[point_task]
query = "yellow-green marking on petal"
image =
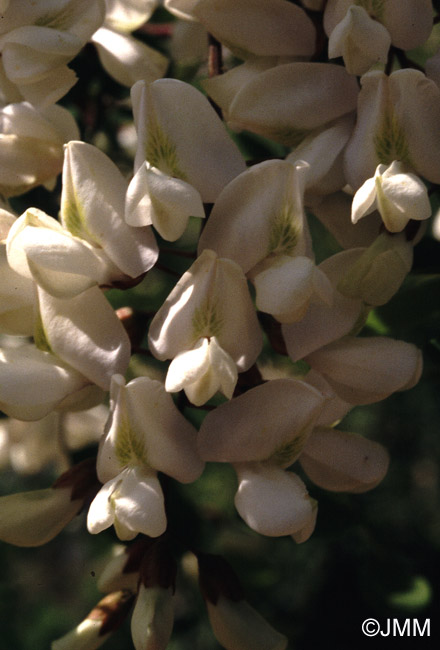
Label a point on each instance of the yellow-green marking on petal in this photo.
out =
(207, 320)
(128, 447)
(161, 152)
(284, 234)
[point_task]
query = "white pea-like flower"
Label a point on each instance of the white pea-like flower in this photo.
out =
(361, 41)
(145, 434)
(209, 327)
(397, 120)
(93, 245)
(396, 193)
(263, 432)
(31, 145)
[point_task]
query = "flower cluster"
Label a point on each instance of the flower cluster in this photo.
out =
(264, 343)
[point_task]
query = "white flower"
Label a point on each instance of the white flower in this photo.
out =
(145, 434)
(360, 40)
(190, 143)
(133, 502)
(390, 126)
(93, 244)
(209, 320)
(263, 207)
(408, 22)
(155, 198)
(37, 39)
(93, 205)
(263, 432)
(202, 371)
(31, 145)
(396, 193)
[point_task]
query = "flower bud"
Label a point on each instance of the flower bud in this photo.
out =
(120, 573)
(236, 625)
(380, 270)
(102, 621)
(409, 22)
(153, 618)
(34, 518)
(153, 614)
(33, 382)
(271, 501)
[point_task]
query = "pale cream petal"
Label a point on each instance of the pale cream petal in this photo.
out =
(309, 95)
(34, 518)
(154, 198)
(344, 462)
(368, 369)
(34, 382)
(128, 59)
(250, 27)
(198, 151)
(74, 331)
(237, 626)
(262, 424)
(272, 501)
(153, 618)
